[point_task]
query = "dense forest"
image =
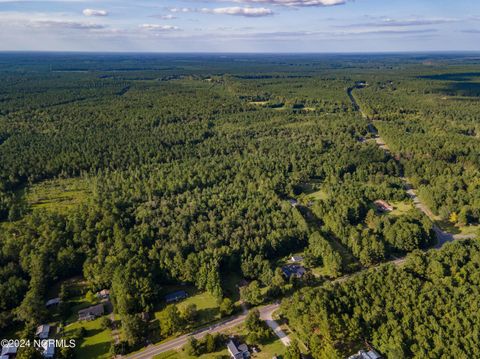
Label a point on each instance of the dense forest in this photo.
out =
(190, 165)
(431, 122)
(426, 308)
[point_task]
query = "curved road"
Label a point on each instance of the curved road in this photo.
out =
(267, 311)
(152, 350)
(442, 236)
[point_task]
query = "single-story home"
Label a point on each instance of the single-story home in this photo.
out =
(43, 331)
(91, 313)
(237, 352)
(383, 206)
(48, 348)
(293, 270)
(52, 302)
(9, 350)
(176, 296)
(362, 354)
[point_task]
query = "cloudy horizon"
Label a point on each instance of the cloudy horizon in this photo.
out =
(239, 25)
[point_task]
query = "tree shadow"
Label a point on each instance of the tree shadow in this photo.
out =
(94, 350)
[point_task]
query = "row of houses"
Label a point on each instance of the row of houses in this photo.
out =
(9, 351)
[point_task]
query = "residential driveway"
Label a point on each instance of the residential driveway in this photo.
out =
(152, 350)
(267, 316)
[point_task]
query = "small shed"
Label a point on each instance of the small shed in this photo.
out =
(296, 259)
(103, 294)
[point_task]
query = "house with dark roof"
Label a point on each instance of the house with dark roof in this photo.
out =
(52, 302)
(362, 354)
(176, 296)
(43, 331)
(383, 206)
(9, 350)
(293, 270)
(238, 352)
(91, 313)
(48, 348)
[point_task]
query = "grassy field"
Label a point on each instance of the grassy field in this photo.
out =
(57, 195)
(317, 195)
(456, 229)
(401, 208)
(208, 309)
(96, 344)
(97, 341)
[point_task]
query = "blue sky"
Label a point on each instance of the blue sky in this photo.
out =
(240, 25)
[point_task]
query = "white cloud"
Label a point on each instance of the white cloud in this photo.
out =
(234, 10)
(388, 22)
(157, 27)
(66, 25)
(94, 12)
(297, 3)
(239, 11)
(165, 17)
(180, 9)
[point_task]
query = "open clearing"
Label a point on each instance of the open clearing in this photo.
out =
(58, 195)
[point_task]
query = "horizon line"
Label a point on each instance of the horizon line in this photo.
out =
(387, 52)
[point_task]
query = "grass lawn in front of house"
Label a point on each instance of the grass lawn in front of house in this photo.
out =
(97, 341)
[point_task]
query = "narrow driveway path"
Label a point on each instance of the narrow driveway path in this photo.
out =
(267, 316)
(442, 236)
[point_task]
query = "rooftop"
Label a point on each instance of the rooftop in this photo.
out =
(95, 310)
(174, 296)
(293, 270)
(53, 301)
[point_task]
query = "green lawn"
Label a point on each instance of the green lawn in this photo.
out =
(456, 229)
(96, 344)
(58, 195)
(317, 195)
(401, 208)
(206, 303)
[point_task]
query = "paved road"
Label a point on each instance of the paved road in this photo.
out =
(267, 316)
(179, 342)
(442, 236)
(267, 311)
